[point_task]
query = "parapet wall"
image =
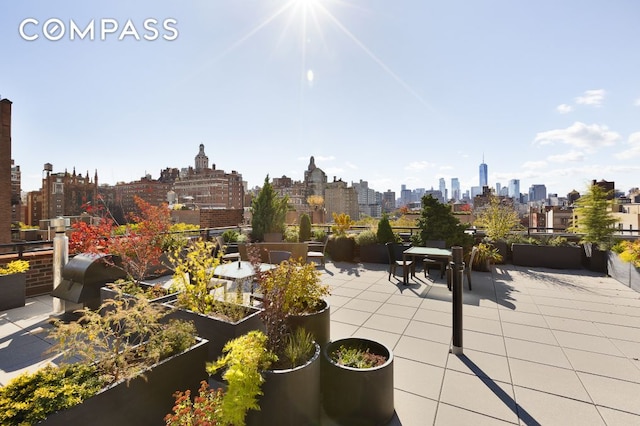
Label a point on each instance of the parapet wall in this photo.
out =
(40, 273)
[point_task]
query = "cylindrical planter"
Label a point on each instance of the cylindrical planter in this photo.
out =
(317, 323)
(290, 397)
(362, 396)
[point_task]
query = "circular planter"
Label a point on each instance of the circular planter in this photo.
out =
(317, 323)
(290, 397)
(358, 396)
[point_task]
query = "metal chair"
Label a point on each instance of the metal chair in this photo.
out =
(316, 249)
(226, 257)
(278, 256)
(407, 266)
(429, 264)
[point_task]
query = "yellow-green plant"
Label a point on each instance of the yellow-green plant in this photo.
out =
(498, 218)
(342, 224)
(15, 267)
(629, 251)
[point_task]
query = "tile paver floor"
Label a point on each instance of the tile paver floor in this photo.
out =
(541, 346)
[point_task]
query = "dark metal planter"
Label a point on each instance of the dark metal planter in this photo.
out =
(374, 253)
(623, 272)
(597, 259)
(317, 323)
(353, 396)
(219, 331)
(12, 291)
(107, 293)
(144, 400)
(556, 257)
(290, 397)
(341, 249)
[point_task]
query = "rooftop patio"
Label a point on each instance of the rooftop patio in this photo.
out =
(541, 346)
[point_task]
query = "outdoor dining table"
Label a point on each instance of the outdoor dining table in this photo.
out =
(430, 252)
(240, 272)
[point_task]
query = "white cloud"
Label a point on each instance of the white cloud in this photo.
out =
(580, 135)
(351, 165)
(634, 147)
(564, 108)
(637, 102)
(418, 165)
(591, 97)
(534, 165)
(572, 156)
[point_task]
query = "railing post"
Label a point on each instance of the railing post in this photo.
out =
(457, 270)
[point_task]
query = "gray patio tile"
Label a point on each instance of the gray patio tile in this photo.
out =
(562, 312)
(337, 301)
(495, 367)
(612, 393)
(346, 292)
(434, 317)
(359, 284)
(484, 342)
(405, 300)
(620, 332)
(525, 318)
(436, 305)
(603, 365)
(386, 323)
(546, 378)
(630, 349)
(573, 326)
(450, 415)
(481, 312)
(375, 296)
(586, 342)
(363, 305)
(388, 339)
(536, 352)
(517, 306)
(422, 350)
(553, 301)
(414, 410)
(528, 332)
(383, 287)
(428, 331)
(417, 378)
(350, 316)
(399, 311)
(618, 319)
(341, 329)
(547, 409)
(485, 396)
(618, 418)
(482, 325)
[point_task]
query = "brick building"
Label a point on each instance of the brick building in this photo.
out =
(5, 171)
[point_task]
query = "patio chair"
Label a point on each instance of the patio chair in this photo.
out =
(316, 249)
(407, 266)
(226, 257)
(429, 263)
(278, 256)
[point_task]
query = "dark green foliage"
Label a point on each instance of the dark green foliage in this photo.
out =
(437, 222)
(385, 233)
(29, 398)
(593, 218)
(268, 211)
(230, 236)
(305, 228)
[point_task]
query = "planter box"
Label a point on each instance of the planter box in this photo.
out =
(145, 399)
(362, 396)
(218, 331)
(290, 397)
(317, 323)
(623, 272)
(596, 258)
(107, 293)
(374, 253)
(556, 257)
(341, 249)
(12, 291)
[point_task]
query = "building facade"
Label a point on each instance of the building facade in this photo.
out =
(5, 171)
(341, 199)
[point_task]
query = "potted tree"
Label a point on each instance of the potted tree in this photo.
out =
(486, 255)
(341, 245)
(372, 242)
(13, 281)
(357, 381)
(268, 213)
(127, 361)
(217, 320)
(498, 218)
(593, 218)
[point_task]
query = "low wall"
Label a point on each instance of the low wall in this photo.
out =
(40, 273)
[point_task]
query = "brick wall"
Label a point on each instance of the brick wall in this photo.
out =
(217, 218)
(40, 273)
(5, 171)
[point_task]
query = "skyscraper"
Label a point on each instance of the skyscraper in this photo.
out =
(537, 192)
(455, 189)
(443, 189)
(483, 174)
(514, 189)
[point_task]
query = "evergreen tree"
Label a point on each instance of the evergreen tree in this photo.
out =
(268, 211)
(385, 233)
(593, 217)
(437, 222)
(305, 228)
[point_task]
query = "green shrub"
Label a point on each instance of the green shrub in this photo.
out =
(366, 238)
(385, 233)
(230, 236)
(291, 234)
(305, 228)
(318, 234)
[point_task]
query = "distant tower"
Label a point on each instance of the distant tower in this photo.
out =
(483, 173)
(443, 189)
(455, 189)
(202, 161)
(514, 189)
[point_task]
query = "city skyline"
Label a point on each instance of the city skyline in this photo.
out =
(393, 93)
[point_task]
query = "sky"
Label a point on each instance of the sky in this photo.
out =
(390, 92)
